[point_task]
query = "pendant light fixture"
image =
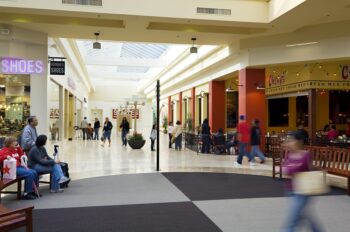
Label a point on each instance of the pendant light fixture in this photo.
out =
(96, 45)
(193, 49)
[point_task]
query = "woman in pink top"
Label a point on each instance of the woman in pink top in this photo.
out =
(333, 133)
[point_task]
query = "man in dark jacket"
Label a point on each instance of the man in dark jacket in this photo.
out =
(255, 137)
(205, 136)
(97, 126)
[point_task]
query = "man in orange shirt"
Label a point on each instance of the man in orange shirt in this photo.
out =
(243, 131)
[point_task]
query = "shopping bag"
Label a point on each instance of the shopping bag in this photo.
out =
(9, 169)
(310, 183)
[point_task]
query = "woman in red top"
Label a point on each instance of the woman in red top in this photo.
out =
(11, 150)
(333, 133)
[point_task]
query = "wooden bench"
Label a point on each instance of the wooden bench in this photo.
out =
(335, 161)
(4, 183)
(13, 219)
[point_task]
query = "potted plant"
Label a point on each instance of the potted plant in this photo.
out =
(165, 125)
(136, 141)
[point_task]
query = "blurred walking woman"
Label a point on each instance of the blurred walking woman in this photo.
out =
(107, 130)
(125, 130)
(298, 160)
(177, 136)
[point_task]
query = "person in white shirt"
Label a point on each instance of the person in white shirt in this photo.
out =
(153, 136)
(84, 127)
(170, 132)
(177, 136)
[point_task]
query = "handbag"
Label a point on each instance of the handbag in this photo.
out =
(310, 183)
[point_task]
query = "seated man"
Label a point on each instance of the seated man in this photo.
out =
(219, 142)
(231, 143)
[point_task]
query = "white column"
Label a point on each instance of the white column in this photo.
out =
(62, 113)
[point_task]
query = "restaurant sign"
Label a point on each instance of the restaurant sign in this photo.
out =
(11, 65)
(277, 79)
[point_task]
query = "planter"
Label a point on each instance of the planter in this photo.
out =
(136, 144)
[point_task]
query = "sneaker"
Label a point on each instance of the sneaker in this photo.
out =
(262, 161)
(236, 164)
(57, 191)
(252, 164)
(27, 196)
(35, 195)
(64, 179)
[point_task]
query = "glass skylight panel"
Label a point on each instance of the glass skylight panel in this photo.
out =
(132, 69)
(143, 51)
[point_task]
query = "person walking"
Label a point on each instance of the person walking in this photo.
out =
(205, 137)
(170, 133)
(243, 140)
(29, 134)
(298, 160)
(153, 136)
(125, 130)
(97, 126)
(107, 130)
(84, 127)
(177, 136)
(255, 138)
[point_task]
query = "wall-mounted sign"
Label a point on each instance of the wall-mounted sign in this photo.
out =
(345, 72)
(57, 68)
(115, 113)
(71, 83)
(277, 79)
(10, 65)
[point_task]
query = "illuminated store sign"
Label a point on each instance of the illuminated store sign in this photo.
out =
(10, 65)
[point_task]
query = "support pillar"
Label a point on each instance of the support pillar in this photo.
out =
(252, 102)
(312, 116)
(180, 102)
(217, 105)
(61, 130)
(193, 107)
(170, 119)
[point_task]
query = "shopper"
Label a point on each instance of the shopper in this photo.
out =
(29, 134)
(303, 133)
(41, 162)
(153, 136)
(255, 138)
(84, 127)
(170, 133)
(90, 132)
(177, 136)
(243, 140)
(298, 160)
(333, 133)
(107, 130)
(97, 126)
(205, 136)
(12, 150)
(125, 130)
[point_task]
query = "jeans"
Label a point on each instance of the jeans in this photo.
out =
(152, 144)
(124, 140)
(56, 172)
(30, 178)
(297, 212)
(178, 142)
(242, 151)
(206, 144)
(170, 136)
(85, 133)
(96, 136)
(257, 152)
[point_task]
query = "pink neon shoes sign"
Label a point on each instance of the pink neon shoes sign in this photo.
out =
(10, 65)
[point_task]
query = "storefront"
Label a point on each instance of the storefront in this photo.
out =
(313, 95)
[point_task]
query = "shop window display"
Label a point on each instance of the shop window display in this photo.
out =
(232, 109)
(339, 106)
(278, 112)
(14, 103)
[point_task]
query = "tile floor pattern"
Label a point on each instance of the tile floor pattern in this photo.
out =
(177, 202)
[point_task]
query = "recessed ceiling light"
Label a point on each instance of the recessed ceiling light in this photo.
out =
(301, 44)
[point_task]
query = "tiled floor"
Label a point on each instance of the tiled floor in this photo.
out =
(87, 158)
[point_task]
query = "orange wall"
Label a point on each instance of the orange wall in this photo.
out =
(217, 105)
(252, 102)
(170, 119)
(193, 106)
(180, 101)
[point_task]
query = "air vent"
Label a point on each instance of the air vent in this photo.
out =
(83, 2)
(213, 11)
